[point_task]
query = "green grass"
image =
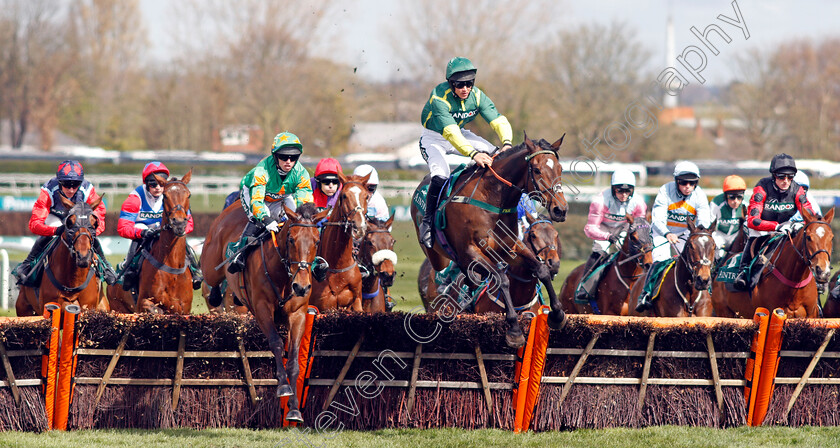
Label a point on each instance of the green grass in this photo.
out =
(663, 436)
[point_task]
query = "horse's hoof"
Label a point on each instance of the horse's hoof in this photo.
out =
(557, 320)
(284, 390)
(514, 341)
(294, 416)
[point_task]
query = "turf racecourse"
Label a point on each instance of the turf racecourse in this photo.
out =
(662, 436)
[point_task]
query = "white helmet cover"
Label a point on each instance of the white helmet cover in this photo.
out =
(802, 179)
(363, 170)
(686, 168)
(623, 176)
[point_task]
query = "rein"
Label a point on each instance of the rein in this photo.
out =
(807, 260)
(689, 305)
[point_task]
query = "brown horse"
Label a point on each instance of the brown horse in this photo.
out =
(790, 279)
(629, 266)
(342, 287)
(541, 238)
(478, 231)
(228, 304)
(165, 285)
(377, 256)
(685, 287)
(832, 303)
(275, 286)
(70, 270)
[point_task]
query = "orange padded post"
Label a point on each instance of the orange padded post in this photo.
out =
(537, 365)
(304, 365)
(524, 377)
(65, 367)
(49, 362)
(762, 318)
(769, 366)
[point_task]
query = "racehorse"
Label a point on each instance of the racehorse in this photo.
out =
(631, 263)
(478, 231)
(790, 278)
(227, 305)
(342, 287)
(165, 284)
(832, 304)
(70, 270)
(685, 287)
(377, 257)
(541, 238)
(275, 284)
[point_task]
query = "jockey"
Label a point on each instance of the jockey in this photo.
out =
(523, 208)
(325, 184)
(607, 215)
(48, 215)
(140, 218)
(775, 199)
(277, 180)
(802, 179)
(451, 105)
(727, 209)
(377, 207)
(674, 204)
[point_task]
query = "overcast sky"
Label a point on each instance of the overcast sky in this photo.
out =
(768, 21)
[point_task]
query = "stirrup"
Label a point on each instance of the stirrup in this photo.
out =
(644, 303)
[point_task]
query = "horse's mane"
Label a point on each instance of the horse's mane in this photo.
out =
(307, 211)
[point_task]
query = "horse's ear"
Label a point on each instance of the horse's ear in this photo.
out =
(161, 180)
(713, 227)
(342, 178)
(365, 179)
(629, 218)
(807, 216)
(829, 216)
(291, 213)
(529, 218)
(389, 222)
(556, 145)
(67, 202)
(187, 177)
(528, 142)
(690, 221)
(95, 204)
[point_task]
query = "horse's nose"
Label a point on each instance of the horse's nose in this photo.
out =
(300, 290)
(821, 275)
(387, 279)
(558, 214)
(554, 266)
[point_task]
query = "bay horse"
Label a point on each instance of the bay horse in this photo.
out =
(630, 265)
(685, 287)
(69, 275)
(377, 256)
(165, 285)
(831, 308)
(275, 285)
(342, 287)
(542, 239)
(478, 231)
(790, 278)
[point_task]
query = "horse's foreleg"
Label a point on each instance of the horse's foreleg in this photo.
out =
(296, 324)
(264, 314)
(556, 318)
(514, 337)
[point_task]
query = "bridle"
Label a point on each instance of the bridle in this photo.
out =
(638, 248)
(530, 236)
(75, 233)
(347, 223)
(692, 267)
(289, 264)
(808, 260)
(168, 226)
(177, 207)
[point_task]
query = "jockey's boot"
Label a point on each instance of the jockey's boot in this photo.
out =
(582, 293)
(22, 270)
(237, 264)
(128, 269)
(425, 230)
(644, 302)
(742, 281)
(108, 273)
(195, 268)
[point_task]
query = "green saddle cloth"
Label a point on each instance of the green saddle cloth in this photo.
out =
(37, 266)
(655, 276)
(598, 270)
(419, 198)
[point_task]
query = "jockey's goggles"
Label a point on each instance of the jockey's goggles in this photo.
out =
(329, 181)
(781, 176)
(70, 183)
(683, 183)
(372, 188)
(287, 157)
(462, 84)
(732, 196)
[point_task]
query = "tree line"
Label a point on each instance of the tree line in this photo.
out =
(84, 67)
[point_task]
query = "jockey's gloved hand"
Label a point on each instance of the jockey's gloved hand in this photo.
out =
(614, 237)
(272, 226)
(148, 233)
(785, 227)
(59, 230)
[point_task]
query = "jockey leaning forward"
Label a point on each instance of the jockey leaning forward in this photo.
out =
(451, 105)
(607, 216)
(48, 213)
(277, 180)
(676, 202)
(140, 218)
(727, 211)
(774, 201)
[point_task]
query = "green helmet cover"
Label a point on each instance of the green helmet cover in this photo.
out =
(286, 143)
(462, 67)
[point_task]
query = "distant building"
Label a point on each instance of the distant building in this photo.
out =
(246, 138)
